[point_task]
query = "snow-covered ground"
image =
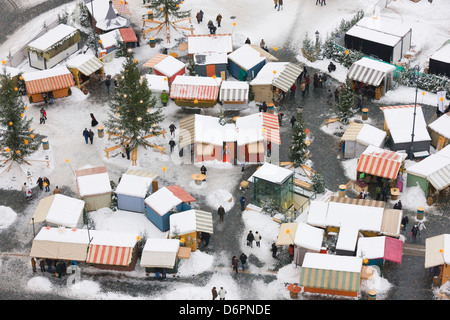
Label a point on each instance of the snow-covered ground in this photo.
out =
(255, 19)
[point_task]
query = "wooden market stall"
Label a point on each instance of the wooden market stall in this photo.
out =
(358, 136)
(188, 226)
(161, 204)
(59, 210)
(245, 62)
(307, 239)
(199, 92)
(439, 130)
(83, 66)
(331, 274)
(57, 80)
(377, 250)
(133, 188)
(234, 95)
(54, 46)
(439, 62)
(94, 187)
(159, 254)
(262, 85)
(437, 256)
(169, 67)
(157, 84)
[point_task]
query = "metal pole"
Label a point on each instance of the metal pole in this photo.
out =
(416, 76)
(34, 233)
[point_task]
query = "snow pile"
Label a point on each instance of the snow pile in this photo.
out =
(40, 284)
(221, 198)
(7, 217)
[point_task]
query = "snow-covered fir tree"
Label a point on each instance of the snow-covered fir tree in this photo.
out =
(132, 111)
(318, 183)
(309, 50)
(18, 139)
(345, 108)
(299, 149)
(168, 10)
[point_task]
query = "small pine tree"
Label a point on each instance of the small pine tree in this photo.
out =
(299, 149)
(345, 108)
(121, 48)
(18, 138)
(132, 111)
(318, 183)
(168, 9)
(191, 67)
(309, 49)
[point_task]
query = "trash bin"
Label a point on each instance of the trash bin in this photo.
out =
(365, 113)
(395, 192)
(45, 144)
(420, 211)
(152, 42)
(101, 131)
(342, 189)
(372, 295)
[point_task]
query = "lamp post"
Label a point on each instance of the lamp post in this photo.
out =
(416, 80)
(317, 38)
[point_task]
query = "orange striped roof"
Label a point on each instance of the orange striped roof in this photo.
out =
(109, 255)
(380, 163)
(48, 80)
(155, 60)
(121, 6)
(271, 128)
(180, 193)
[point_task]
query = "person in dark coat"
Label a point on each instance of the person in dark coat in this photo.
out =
(293, 120)
(40, 183)
(172, 128)
(205, 237)
(247, 41)
(172, 145)
(127, 151)
(198, 16)
(94, 121)
(405, 221)
(221, 212)
(203, 170)
(243, 201)
(214, 293)
(274, 250)
(414, 230)
(243, 259)
(108, 82)
(235, 264)
(219, 20)
(291, 251)
(280, 5)
(49, 265)
(91, 136)
(86, 135)
(336, 95)
(315, 80)
(308, 82)
(250, 238)
(201, 15)
(385, 194)
(46, 184)
(42, 265)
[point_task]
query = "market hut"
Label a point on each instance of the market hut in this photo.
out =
(59, 210)
(273, 184)
(94, 187)
(157, 84)
(160, 254)
(245, 62)
(170, 67)
(439, 62)
(437, 256)
(188, 225)
(288, 77)
(258, 137)
(431, 174)
(439, 130)
(358, 136)
(385, 38)
(61, 244)
(234, 95)
(110, 250)
(262, 85)
(377, 250)
(307, 239)
(209, 43)
(331, 274)
(377, 162)
(83, 66)
(133, 188)
(54, 46)
(287, 233)
(129, 37)
(161, 204)
(398, 124)
(190, 91)
(57, 80)
(106, 16)
(370, 72)
(109, 41)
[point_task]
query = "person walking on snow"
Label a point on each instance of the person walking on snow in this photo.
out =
(172, 145)
(247, 41)
(262, 44)
(222, 293)
(214, 293)
(172, 129)
(86, 135)
(91, 136)
(303, 88)
(250, 238)
(243, 259)
(198, 16)
(94, 121)
(274, 250)
(108, 83)
(243, 201)
(40, 183)
(221, 213)
(46, 184)
(293, 120)
(235, 264)
(280, 5)
(414, 230)
(219, 20)
(420, 227)
(257, 239)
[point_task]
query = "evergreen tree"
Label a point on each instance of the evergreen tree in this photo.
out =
(18, 138)
(299, 149)
(345, 108)
(309, 50)
(132, 112)
(318, 183)
(121, 48)
(168, 9)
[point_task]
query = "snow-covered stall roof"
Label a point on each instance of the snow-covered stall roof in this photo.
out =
(373, 35)
(369, 71)
(385, 25)
(210, 58)
(317, 213)
(443, 54)
(106, 15)
(60, 210)
(399, 121)
(190, 87)
(269, 73)
(257, 127)
(109, 39)
(437, 250)
(435, 168)
(272, 173)
(208, 130)
(442, 124)
(190, 221)
(48, 80)
(382, 247)
(287, 233)
(365, 134)
(157, 83)
(234, 91)
(135, 183)
(61, 243)
(93, 181)
(160, 253)
(85, 63)
(52, 37)
(210, 43)
(347, 239)
(332, 262)
(11, 71)
(169, 66)
(165, 199)
(380, 162)
(308, 237)
(349, 215)
(246, 57)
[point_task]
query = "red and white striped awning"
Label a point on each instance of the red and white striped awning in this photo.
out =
(48, 80)
(380, 162)
(271, 128)
(155, 60)
(109, 255)
(194, 88)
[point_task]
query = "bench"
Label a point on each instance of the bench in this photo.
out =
(328, 121)
(108, 150)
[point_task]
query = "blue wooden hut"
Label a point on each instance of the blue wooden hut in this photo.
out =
(245, 62)
(162, 203)
(133, 188)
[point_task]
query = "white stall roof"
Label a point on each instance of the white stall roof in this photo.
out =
(157, 83)
(211, 58)
(437, 250)
(78, 236)
(352, 215)
(112, 238)
(442, 124)
(272, 173)
(308, 237)
(160, 253)
(347, 238)
(44, 74)
(332, 262)
(207, 43)
(269, 73)
(443, 54)
(52, 37)
(371, 247)
(169, 66)
(246, 57)
(135, 184)
(65, 211)
(162, 201)
(317, 213)
(399, 120)
(374, 35)
(183, 223)
(94, 184)
(370, 135)
(109, 39)
(386, 25)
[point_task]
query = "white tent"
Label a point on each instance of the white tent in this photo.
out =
(160, 253)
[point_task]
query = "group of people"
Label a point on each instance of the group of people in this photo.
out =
(253, 237)
(278, 4)
(235, 262)
(221, 294)
(43, 183)
(212, 28)
(58, 267)
(88, 135)
(48, 97)
(43, 116)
